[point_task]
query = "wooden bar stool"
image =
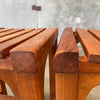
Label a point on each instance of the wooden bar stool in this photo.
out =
(76, 75)
(23, 54)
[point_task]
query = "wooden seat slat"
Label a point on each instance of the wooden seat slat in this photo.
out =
(95, 33)
(11, 36)
(66, 57)
(10, 32)
(6, 29)
(8, 45)
(35, 48)
(1, 28)
(5, 97)
(90, 44)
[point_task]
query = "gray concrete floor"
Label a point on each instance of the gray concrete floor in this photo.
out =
(93, 95)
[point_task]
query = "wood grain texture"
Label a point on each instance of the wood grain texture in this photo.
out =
(31, 85)
(88, 67)
(51, 72)
(8, 45)
(6, 29)
(86, 83)
(90, 44)
(38, 84)
(26, 82)
(66, 86)
(95, 33)
(10, 32)
(11, 36)
(28, 86)
(76, 86)
(35, 49)
(5, 97)
(66, 57)
(5, 64)
(9, 77)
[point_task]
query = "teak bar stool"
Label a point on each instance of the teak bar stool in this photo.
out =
(76, 75)
(23, 54)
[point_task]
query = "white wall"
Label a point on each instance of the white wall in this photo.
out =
(65, 13)
(17, 14)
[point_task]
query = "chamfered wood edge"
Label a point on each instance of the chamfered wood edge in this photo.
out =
(94, 33)
(66, 60)
(64, 64)
(4, 52)
(27, 59)
(91, 56)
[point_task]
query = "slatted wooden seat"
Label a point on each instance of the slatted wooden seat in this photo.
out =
(76, 75)
(23, 54)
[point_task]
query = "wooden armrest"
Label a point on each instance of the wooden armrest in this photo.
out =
(66, 57)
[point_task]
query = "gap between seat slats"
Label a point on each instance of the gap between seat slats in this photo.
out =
(90, 45)
(11, 36)
(10, 32)
(7, 29)
(5, 47)
(95, 33)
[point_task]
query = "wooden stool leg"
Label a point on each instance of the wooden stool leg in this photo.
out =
(28, 62)
(51, 71)
(31, 85)
(86, 83)
(9, 77)
(2, 88)
(28, 86)
(42, 75)
(66, 86)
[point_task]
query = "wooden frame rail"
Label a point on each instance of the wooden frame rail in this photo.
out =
(23, 54)
(76, 75)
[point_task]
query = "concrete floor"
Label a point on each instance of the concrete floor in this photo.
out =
(93, 95)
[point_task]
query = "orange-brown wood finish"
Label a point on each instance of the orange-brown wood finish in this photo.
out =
(66, 57)
(10, 32)
(76, 75)
(86, 83)
(66, 67)
(23, 54)
(51, 72)
(5, 97)
(95, 33)
(66, 86)
(5, 29)
(90, 45)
